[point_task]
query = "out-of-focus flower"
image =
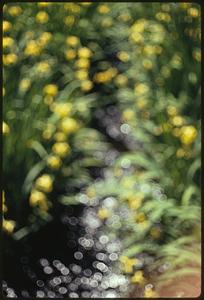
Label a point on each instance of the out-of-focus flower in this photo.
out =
(32, 48)
(140, 217)
(70, 54)
(14, 11)
(121, 80)
(51, 89)
(105, 76)
(161, 16)
(172, 110)
(150, 293)
(61, 149)
(128, 264)
(123, 56)
(72, 40)
(5, 128)
(24, 84)
(86, 85)
(128, 114)
(103, 213)
(60, 136)
(103, 9)
(135, 201)
(44, 38)
(180, 153)
(147, 64)
(138, 277)
(39, 198)
(6, 26)
(10, 59)
(155, 232)
(8, 225)
(177, 120)
(84, 52)
(44, 4)
(197, 54)
(54, 162)
(141, 88)
(61, 109)
(7, 42)
(69, 125)
(69, 20)
(3, 202)
(81, 74)
(107, 22)
(42, 17)
(48, 99)
(193, 12)
(44, 183)
(43, 67)
(91, 192)
(188, 134)
(82, 63)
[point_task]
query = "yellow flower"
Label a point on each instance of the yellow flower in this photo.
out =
(135, 201)
(163, 17)
(3, 202)
(42, 17)
(69, 20)
(81, 74)
(177, 120)
(6, 26)
(141, 103)
(36, 197)
(24, 84)
(48, 100)
(171, 110)
(14, 11)
(86, 85)
(43, 67)
(155, 232)
(54, 162)
(138, 277)
(140, 217)
(197, 54)
(107, 22)
(10, 59)
(90, 192)
(70, 54)
(105, 76)
(61, 149)
(5, 128)
(128, 114)
(123, 56)
(51, 89)
(69, 125)
(82, 63)
(84, 52)
(8, 225)
(7, 42)
(44, 4)
(188, 134)
(103, 213)
(103, 9)
(60, 137)
(61, 109)
(44, 183)
(193, 12)
(141, 88)
(149, 293)
(32, 48)
(128, 264)
(44, 38)
(180, 153)
(121, 80)
(72, 40)
(147, 64)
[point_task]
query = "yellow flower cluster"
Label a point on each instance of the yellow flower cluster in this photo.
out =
(8, 225)
(105, 76)
(127, 264)
(103, 213)
(5, 128)
(138, 277)
(61, 149)
(44, 183)
(62, 110)
(35, 47)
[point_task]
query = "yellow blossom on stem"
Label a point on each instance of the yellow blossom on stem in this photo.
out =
(103, 9)
(61, 149)
(60, 136)
(42, 17)
(44, 183)
(86, 85)
(62, 110)
(6, 26)
(70, 54)
(103, 213)
(7, 42)
(84, 52)
(54, 162)
(5, 128)
(8, 225)
(128, 264)
(51, 89)
(14, 11)
(69, 125)
(188, 134)
(138, 277)
(72, 40)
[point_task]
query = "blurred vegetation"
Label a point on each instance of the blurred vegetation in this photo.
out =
(114, 87)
